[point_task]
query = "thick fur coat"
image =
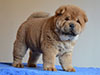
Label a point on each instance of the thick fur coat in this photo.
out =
(53, 36)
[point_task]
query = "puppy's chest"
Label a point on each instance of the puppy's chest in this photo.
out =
(64, 47)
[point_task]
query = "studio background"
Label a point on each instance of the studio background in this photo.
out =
(14, 12)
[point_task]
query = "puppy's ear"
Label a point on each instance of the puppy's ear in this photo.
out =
(60, 11)
(85, 18)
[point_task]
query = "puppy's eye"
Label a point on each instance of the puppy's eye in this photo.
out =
(59, 14)
(67, 18)
(78, 21)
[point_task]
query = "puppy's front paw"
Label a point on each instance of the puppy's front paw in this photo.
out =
(70, 69)
(50, 69)
(18, 65)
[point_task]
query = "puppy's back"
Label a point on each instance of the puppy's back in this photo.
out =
(38, 15)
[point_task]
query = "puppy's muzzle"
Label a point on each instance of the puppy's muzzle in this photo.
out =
(71, 30)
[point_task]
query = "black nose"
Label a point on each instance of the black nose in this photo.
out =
(71, 25)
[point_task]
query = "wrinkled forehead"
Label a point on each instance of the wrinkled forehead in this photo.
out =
(73, 12)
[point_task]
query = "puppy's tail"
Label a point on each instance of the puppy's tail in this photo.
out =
(38, 15)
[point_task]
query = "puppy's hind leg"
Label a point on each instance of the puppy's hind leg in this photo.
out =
(33, 58)
(18, 53)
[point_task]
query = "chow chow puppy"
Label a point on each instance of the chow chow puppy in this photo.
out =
(53, 36)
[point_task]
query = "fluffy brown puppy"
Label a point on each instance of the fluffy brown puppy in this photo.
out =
(53, 36)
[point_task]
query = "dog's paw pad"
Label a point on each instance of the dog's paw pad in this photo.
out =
(50, 69)
(19, 65)
(32, 65)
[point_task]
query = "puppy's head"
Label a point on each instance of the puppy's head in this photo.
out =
(70, 21)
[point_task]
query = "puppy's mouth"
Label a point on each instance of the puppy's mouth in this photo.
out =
(71, 33)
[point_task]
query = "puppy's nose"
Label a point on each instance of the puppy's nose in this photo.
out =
(71, 25)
